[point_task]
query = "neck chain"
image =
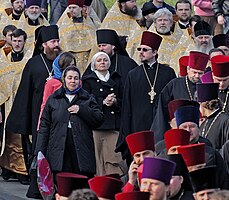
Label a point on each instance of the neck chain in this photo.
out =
(151, 93)
(49, 72)
(204, 129)
(187, 85)
(116, 62)
(225, 103)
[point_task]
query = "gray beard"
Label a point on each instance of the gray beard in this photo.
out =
(33, 17)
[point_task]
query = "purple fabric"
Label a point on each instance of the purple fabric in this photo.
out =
(207, 91)
(207, 77)
(33, 3)
(158, 169)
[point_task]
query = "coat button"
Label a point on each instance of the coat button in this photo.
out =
(101, 89)
(112, 89)
(98, 80)
(112, 112)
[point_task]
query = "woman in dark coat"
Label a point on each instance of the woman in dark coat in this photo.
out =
(107, 90)
(65, 135)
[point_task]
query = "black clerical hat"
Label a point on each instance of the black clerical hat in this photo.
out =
(148, 8)
(207, 91)
(87, 2)
(204, 178)
(220, 40)
(202, 28)
(109, 36)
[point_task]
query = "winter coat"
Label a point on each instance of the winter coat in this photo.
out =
(54, 125)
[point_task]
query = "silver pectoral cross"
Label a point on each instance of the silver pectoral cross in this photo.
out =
(152, 94)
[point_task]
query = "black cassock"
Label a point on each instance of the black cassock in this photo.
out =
(119, 63)
(175, 89)
(223, 96)
(137, 111)
(216, 129)
(25, 111)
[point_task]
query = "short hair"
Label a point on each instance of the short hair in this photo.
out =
(195, 18)
(65, 60)
(183, 1)
(216, 50)
(83, 194)
(8, 28)
(18, 32)
(162, 12)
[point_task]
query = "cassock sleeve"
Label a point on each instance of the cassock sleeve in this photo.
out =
(20, 117)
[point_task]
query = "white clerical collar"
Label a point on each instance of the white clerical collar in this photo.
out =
(151, 64)
(182, 23)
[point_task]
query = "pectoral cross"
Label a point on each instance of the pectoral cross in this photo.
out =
(152, 94)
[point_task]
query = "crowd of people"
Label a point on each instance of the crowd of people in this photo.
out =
(129, 103)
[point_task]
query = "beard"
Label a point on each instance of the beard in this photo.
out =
(51, 54)
(33, 17)
(163, 30)
(132, 12)
(204, 47)
(19, 11)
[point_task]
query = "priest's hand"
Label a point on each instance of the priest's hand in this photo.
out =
(73, 109)
(133, 173)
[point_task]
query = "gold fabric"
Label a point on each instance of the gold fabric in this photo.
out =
(5, 4)
(79, 38)
(10, 75)
(95, 18)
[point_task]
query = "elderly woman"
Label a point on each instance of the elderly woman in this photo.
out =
(65, 133)
(107, 90)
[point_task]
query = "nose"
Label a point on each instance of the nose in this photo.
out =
(141, 159)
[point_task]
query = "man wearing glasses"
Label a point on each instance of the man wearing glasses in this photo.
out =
(143, 86)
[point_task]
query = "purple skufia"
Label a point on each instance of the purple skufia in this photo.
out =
(207, 77)
(158, 169)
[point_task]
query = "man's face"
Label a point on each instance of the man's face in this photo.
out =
(18, 6)
(139, 156)
(157, 189)
(8, 38)
(204, 194)
(130, 7)
(85, 11)
(183, 12)
(225, 50)
(107, 48)
(146, 53)
(163, 24)
(18, 43)
(51, 48)
(223, 82)
(175, 185)
(192, 128)
(194, 74)
(203, 43)
(149, 19)
(216, 53)
(33, 12)
(75, 10)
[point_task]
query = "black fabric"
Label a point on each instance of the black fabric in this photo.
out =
(183, 195)
(138, 113)
(202, 28)
(165, 5)
(222, 97)
(148, 8)
(101, 90)
(175, 89)
(52, 135)
(15, 57)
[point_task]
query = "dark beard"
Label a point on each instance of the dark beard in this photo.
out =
(130, 12)
(51, 54)
(19, 12)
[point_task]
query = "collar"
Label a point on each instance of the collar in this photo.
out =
(214, 113)
(150, 65)
(15, 17)
(102, 77)
(77, 19)
(183, 25)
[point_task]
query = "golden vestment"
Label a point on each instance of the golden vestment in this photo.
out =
(79, 38)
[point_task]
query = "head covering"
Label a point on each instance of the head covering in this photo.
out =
(198, 60)
(94, 58)
(202, 28)
(136, 195)
(150, 39)
(159, 169)
(140, 141)
(220, 65)
(56, 68)
(148, 8)
(183, 64)
(67, 182)
(187, 114)
(177, 103)
(80, 3)
(105, 186)
(33, 3)
(176, 137)
(121, 1)
(207, 77)
(220, 40)
(193, 154)
(204, 178)
(181, 170)
(87, 2)
(109, 36)
(207, 91)
(37, 32)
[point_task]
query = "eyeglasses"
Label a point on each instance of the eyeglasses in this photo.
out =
(143, 49)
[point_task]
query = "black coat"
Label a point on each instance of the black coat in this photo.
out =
(137, 111)
(54, 125)
(100, 90)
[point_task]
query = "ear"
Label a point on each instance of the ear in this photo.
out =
(44, 44)
(195, 197)
(113, 47)
(181, 179)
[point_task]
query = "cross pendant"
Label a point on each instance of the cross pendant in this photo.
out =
(152, 94)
